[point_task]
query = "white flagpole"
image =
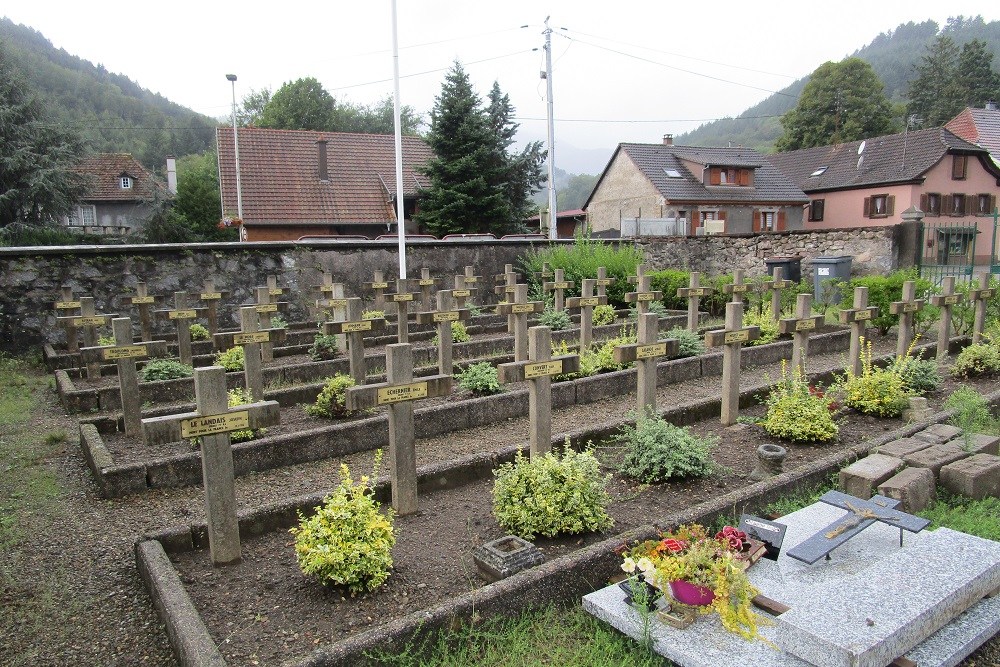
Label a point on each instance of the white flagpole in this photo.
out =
(399, 147)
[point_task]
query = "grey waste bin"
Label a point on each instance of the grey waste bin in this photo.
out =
(791, 267)
(826, 270)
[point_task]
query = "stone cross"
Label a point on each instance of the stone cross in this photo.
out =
(144, 301)
(251, 338)
(906, 309)
(379, 286)
(774, 286)
(643, 294)
(212, 422)
(398, 393)
(402, 299)
(461, 292)
(585, 304)
(857, 318)
(124, 352)
(538, 370)
(545, 273)
(945, 301)
(693, 293)
(800, 326)
(644, 353)
(66, 304)
(211, 297)
(354, 328)
(445, 314)
(326, 285)
(181, 315)
(732, 338)
(268, 305)
(272, 288)
(89, 321)
(334, 304)
(558, 286)
(505, 290)
(981, 297)
(426, 285)
(603, 281)
(519, 309)
(738, 287)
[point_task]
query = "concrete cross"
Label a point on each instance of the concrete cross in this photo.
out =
(379, 286)
(332, 307)
(519, 310)
(211, 297)
(945, 301)
(800, 326)
(471, 279)
(644, 353)
(738, 287)
(981, 297)
(326, 285)
(603, 281)
(272, 288)
(212, 422)
(124, 352)
(774, 286)
(693, 293)
(585, 303)
(144, 301)
(354, 328)
(731, 339)
(538, 370)
(89, 321)
(505, 289)
(64, 306)
(857, 317)
(558, 286)
(402, 299)
(445, 314)
(906, 310)
(398, 393)
(251, 338)
(545, 273)
(267, 305)
(427, 285)
(462, 290)
(644, 293)
(181, 315)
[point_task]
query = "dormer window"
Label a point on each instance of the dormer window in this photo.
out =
(126, 182)
(818, 172)
(728, 176)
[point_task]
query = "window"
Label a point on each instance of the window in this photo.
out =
(819, 172)
(959, 167)
(879, 206)
(126, 182)
(985, 204)
(83, 216)
(672, 173)
(957, 205)
(728, 176)
(816, 207)
(930, 204)
(769, 221)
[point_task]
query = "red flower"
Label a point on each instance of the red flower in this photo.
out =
(674, 545)
(732, 538)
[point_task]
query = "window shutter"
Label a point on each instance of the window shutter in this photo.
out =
(714, 176)
(779, 226)
(722, 216)
(946, 204)
(744, 177)
(923, 203)
(756, 221)
(968, 205)
(867, 207)
(890, 204)
(993, 204)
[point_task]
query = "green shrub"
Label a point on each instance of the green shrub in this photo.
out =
(978, 359)
(604, 315)
(582, 259)
(105, 340)
(551, 495)
(921, 376)
(373, 315)
(278, 322)
(198, 332)
(877, 391)
(797, 412)
(234, 397)
(165, 369)
(971, 413)
(347, 541)
(480, 378)
(232, 359)
(332, 399)
(323, 347)
(883, 290)
(768, 327)
(557, 320)
(689, 343)
(656, 451)
(597, 359)
(654, 307)
(459, 334)
(669, 281)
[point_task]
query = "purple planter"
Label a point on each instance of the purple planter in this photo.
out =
(691, 594)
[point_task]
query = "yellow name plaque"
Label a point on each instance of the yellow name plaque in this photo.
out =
(805, 325)
(741, 336)
(645, 296)
(426, 282)
(522, 308)
(181, 314)
(542, 369)
(276, 291)
(738, 289)
(208, 296)
(469, 280)
(266, 308)
(951, 300)
(562, 285)
(140, 300)
(461, 293)
(380, 285)
(604, 282)
(210, 425)
(910, 307)
(401, 392)
(650, 351)
(354, 327)
(446, 316)
(862, 315)
(125, 352)
(67, 305)
(334, 303)
(589, 301)
(402, 297)
(697, 291)
(93, 321)
(984, 294)
(254, 337)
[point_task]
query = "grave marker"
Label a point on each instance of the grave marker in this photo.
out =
(445, 314)
(693, 294)
(945, 301)
(800, 326)
(544, 274)
(379, 286)
(426, 285)
(645, 353)
(505, 290)
(981, 297)
(181, 315)
(774, 286)
(398, 393)
(211, 297)
(519, 311)
(124, 352)
(267, 305)
(538, 371)
(402, 299)
(212, 422)
(643, 294)
(906, 310)
(251, 338)
(272, 288)
(354, 328)
(732, 339)
(558, 286)
(66, 304)
(857, 318)
(89, 321)
(465, 287)
(603, 281)
(585, 304)
(144, 302)
(738, 287)
(334, 304)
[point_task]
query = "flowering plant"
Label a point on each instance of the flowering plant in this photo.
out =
(716, 563)
(230, 221)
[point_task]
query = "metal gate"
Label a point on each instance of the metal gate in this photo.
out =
(957, 248)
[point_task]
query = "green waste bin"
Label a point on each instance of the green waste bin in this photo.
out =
(825, 271)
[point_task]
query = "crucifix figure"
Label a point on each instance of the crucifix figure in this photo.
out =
(693, 294)
(857, 318)
(981, 297)
(645, 353)
(558, 286)
(402, 299)
(800, 326)
(143, 301)
(732, 339)
(906, 309)
(945, 301)
(644, 293)
(445, 314)
(354, 328)
(251, 338)
(585, 303)
(519, 310)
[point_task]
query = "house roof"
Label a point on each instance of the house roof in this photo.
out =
(979, 126)
(103, 172)
(894, 158)
(279, 175)
(770, 186)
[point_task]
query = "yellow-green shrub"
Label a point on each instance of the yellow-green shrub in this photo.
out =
(332, 399)
(796, 412)
(198, 332)
(373, 315)
(232, 359)
(877, 391)
(978, 359)
(604, 315)
(764, 320)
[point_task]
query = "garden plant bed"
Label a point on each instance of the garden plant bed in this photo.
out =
(265, 610)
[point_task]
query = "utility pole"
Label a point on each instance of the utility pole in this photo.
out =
(236, 149)
(547, 75)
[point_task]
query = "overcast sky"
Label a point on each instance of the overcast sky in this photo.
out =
(629, 70)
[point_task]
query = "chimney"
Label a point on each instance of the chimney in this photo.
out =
(668, 140)
(991, 105)
(324, 175)
(172, 174)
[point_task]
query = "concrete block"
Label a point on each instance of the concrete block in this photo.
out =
(938, 433)
(914, 487)
(936, 457)
(979, 444)
(977, 476)
(902, 447)
(861, 478)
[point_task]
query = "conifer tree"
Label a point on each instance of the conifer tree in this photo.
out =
(979, 82)
(520, 173)
(935, 93)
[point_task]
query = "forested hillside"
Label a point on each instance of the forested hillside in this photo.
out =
(892, 55)
(110, 111)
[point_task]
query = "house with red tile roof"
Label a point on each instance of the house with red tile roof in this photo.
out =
(120, 195)
(980, 127)
(297, 183)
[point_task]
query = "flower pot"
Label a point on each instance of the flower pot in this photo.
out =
(691, 594)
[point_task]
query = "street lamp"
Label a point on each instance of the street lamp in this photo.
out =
(236, 146)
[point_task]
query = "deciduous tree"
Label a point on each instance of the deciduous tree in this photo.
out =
(299, 105)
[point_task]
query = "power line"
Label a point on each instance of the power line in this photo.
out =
(666, 120)
(433, 71)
